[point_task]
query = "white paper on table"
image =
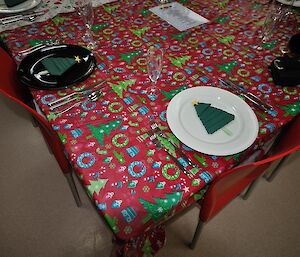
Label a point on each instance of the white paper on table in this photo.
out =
(178, 16)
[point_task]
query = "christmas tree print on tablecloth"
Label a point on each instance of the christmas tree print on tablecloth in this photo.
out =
(180, 36)
(227, 67)
(226, 40)
(60, 20)
(222, 19)
(183, 1)
(62, 137)
(127, 57)
(270, 45)
(95, 186)
(147, 250)
(199, 195)
(291, 109)
(179, 61)
(161, 207)
(100, 26)
(140, 32)
(112, 222)
(122, 85)
(144, 12)
(222, 4)
(166, 143)
(170, 94)
(110, 9)
(103, 129)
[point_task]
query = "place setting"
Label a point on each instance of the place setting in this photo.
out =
(54, 65)
(212, 121)
(57, 66)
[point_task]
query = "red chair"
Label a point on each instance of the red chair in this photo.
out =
(279, 143)
(232, 183)
(10, 87)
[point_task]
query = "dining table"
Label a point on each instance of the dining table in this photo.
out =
(135, 185)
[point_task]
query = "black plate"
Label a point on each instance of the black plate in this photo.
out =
(31, 65)
(294, 45)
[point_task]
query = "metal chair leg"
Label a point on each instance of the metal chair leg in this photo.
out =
(34, 122)
(198, 230)
(73, 188)
(275, 171)
(250, 188)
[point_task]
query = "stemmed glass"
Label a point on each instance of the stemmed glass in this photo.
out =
(154, 67)
(85, 9)
(271, 22)
(290, 9)
(288, 17)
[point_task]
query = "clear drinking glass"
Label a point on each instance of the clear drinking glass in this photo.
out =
(154, 67)
(85, 9)
(288, 16)
(271, 22)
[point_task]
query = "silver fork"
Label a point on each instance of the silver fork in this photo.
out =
(159, 145)
(154, 126)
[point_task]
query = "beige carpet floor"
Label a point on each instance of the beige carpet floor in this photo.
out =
(38, 217)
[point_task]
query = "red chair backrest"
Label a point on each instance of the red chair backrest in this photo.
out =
(11, 88)
(230, 184)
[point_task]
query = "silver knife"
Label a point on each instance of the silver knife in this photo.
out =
(157, 129)
(257, 99)
(239, 92)
(156, 142)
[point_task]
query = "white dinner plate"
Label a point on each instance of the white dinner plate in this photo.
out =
(27, 5)
(296, 4)
(188, 128)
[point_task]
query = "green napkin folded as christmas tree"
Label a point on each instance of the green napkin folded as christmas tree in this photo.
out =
(12, 3)
(212, 118)
(58, 65)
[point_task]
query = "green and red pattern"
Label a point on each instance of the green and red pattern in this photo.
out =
(135, 186)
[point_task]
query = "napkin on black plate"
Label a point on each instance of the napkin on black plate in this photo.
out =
(12, 3)
(58, 65)
(212, 118)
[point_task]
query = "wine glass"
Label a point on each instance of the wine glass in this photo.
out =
(154, 67)
(290, 7)
(271, 23)
(85, 9)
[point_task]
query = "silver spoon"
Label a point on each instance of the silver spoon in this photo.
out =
(93, 97)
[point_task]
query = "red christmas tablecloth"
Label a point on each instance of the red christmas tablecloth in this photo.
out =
(135, 186)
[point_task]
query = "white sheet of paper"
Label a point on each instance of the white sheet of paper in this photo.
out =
(178, 16)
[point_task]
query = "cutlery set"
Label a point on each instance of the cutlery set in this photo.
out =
(240, 90)
(79, 97)
(155, 133)
(155, 128)
(26, 17)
